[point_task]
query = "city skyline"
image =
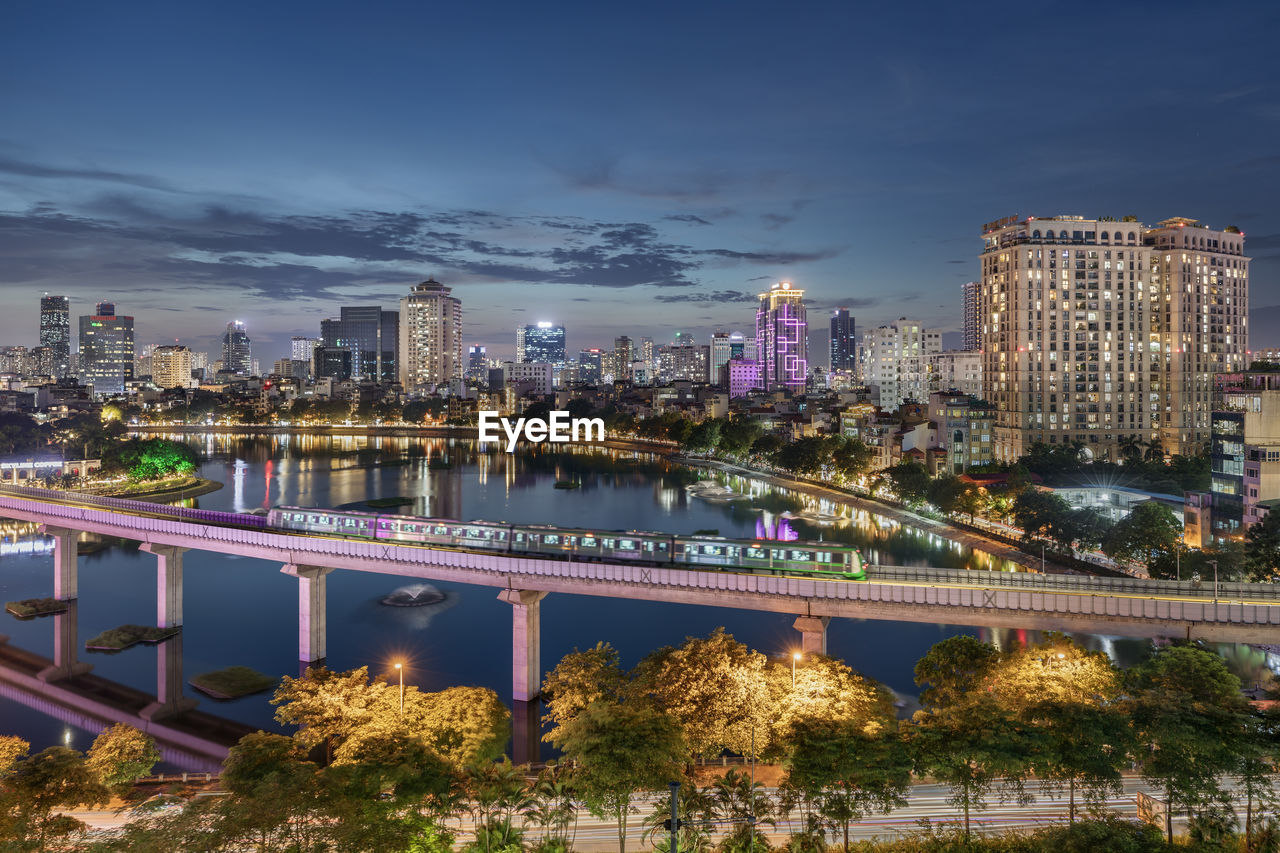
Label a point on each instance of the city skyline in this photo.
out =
(860, 174)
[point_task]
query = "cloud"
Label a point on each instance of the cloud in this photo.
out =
(774, 221)
(687, 218)
(709, 296)
(10, 166)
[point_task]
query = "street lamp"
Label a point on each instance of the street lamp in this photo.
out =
(1214, 563)
(400, 669)
(795, 657)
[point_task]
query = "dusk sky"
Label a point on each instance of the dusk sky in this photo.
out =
(619, 169)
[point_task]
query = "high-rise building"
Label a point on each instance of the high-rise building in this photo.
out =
(624, 353)
(55, 332)
(430, 338)
(106, 350)
(782, 339)
(683, 359)
(332, 363)
(724, 346)
(171, 367)
(844, 343)
(591, 365)
(302, 348)
(542, 342)
(896, 362)
(371, 334)
(237, 353)
(972, 338)
(742, 376)
(1094, 330)
(477, 364)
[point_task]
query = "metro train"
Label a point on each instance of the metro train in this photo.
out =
(820, 559)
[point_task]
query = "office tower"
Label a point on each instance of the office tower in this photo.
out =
(623, 354)
(106, 350)
(542, 342)
(171, 367)
(55, 332)
(237, 354)
(372, 336)
(896, 362)
(430, 338)
(332, 363)
(477, 364)
(646, 353)
(970, 292)
(591, 365)
(1088, 327)
(720, 352)
(302, 348)
(782, 339)
(1201, 278)
(844, 344)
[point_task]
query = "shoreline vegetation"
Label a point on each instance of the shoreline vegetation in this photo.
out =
(233, 682)
(127, 636)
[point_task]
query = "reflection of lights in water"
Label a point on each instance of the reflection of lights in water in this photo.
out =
(66, 737)
(266, 477)
(241, 467)
(41, 545)
(668, 499)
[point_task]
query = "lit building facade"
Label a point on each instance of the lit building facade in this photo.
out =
(430, 338)
(55, 332)
(541, 342)
(844, 342)
(955, 370)
(971, 339)
(782, 339)
(1094, 330)
(372, 335)
(237, 350)
(742, 376)
(896, 361)
(106, 350)
(171, 367)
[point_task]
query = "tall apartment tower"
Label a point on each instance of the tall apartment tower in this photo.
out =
(972, 339)
(430, 337)
(782, 339)
(55, 332)
(1199, 322)
(237, 352)
(302, 348)
(844, 343)
(106, 350)
(1088, 327)
(171, 367)
(541, 342)
(897, 362)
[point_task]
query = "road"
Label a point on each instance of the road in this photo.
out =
(926, 802)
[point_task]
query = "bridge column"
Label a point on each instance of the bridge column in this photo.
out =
(526, 671)
(813, 634)
(526, 642)
(312, 600)
(169, 684)
(65, 554)
(66, 648)
(168, 583)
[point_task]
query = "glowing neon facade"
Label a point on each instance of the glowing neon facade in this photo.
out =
(782, 339)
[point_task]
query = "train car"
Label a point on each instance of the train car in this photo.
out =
(808, 558)
(483, 535)
(591, 544)
(332, 521)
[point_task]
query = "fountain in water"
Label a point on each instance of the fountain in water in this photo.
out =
(414, 595)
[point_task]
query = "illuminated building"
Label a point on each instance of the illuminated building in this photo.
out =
(430, 338)
(844, 343)
(171, 367)
(372, 336)
(237, 354)
(106, 350)
(971, 340)
(543, 342)
(782, 339)
(896, 362)
(1093, 330)
(55, 332)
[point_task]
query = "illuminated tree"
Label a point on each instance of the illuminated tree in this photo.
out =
(122, 755)
(581, 677)
(825, 689)
(34, 792)
(954, 669)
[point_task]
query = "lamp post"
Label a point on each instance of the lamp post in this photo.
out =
(400, 669)
(1041, 558)
(795, 657)
(1214, 563)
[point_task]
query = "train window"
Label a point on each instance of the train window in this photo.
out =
(589, 542)
(803, 556)
(500, 535)
(608, 543)
(779, 554)
(648, 546)
(662, 546)
(710, 549)
(441, 531)
(519, 537)
(757, 553)
(627, 544)
(551, 539)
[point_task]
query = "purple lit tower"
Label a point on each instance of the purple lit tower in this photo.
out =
(782, 339)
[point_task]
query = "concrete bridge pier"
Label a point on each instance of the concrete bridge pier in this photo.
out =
(526, 672)
(169, 683)
(66, 648)
(312, 604)
(813, 634)
(65, 555)
(168, 583)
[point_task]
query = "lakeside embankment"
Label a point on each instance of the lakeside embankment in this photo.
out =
(968, 538)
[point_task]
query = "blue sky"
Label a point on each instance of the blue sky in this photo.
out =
(621, 169)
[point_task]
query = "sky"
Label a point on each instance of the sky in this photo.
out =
(618, 168)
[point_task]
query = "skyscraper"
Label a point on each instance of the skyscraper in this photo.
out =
(540, 343)
(371, 335)
(237, 354)
(970, 291)
(782, 339)
(844, 343)
(106, 350)
(430, 337)
(477, 364)
(171, 367)
(302, 348)
(1093, 330)
(55, 332)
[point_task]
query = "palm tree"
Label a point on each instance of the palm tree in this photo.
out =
(1155, 451)
(1131, 449)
